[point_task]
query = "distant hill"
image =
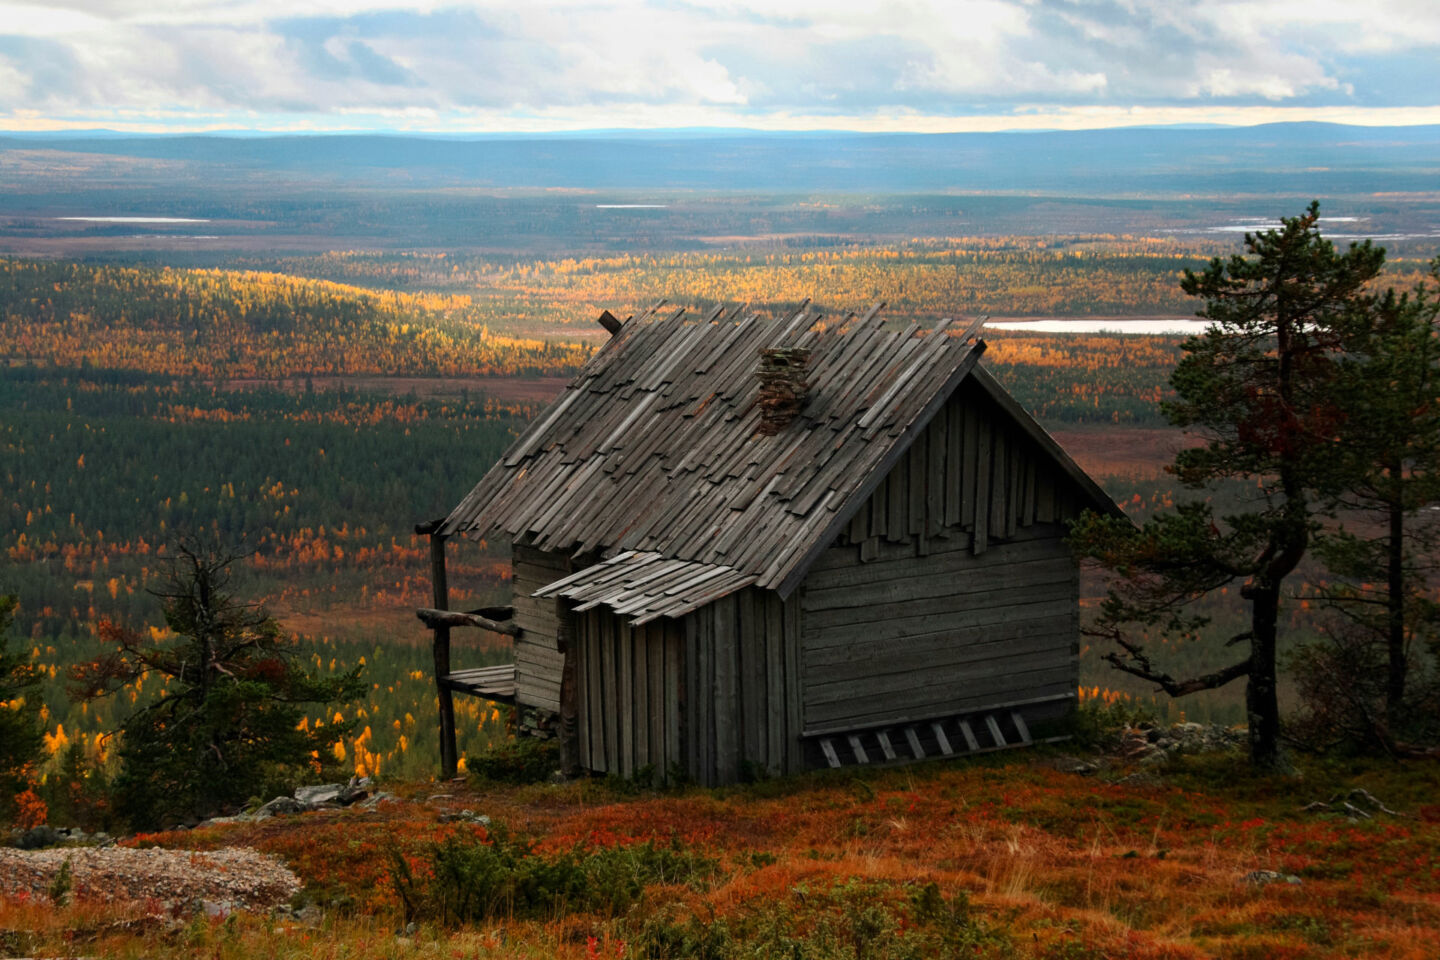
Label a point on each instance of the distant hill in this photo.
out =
(225, 324)
(1306, 158)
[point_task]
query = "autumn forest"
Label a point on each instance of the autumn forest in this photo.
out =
(301, 408)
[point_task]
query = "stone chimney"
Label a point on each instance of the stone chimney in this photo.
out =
(782, 386)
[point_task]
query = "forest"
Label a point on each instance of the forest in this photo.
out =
(122, 429)
(119, 434)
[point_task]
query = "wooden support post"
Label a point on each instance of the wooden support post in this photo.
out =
(569, 694)
(441, 587)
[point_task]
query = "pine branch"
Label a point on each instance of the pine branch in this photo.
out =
(1136, 662)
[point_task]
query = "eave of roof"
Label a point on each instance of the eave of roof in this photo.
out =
(647, 586)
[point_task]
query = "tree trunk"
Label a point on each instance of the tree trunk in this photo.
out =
(1395, 603)
(1262, 705)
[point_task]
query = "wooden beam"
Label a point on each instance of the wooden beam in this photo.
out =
(441, 650)
(494, 613)
(437, 619)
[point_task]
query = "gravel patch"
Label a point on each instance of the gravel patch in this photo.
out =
(237, 876)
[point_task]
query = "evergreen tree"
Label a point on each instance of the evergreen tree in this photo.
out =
(1260, 388)
(21, 740)
(226, 725)
(1382, 556)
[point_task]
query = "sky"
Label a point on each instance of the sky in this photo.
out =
(877, 65)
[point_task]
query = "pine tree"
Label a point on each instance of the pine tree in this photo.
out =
(226, 725)
(1382, 555)
(1260, 389)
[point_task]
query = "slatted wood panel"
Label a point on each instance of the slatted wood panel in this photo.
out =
(495, 683)
(982, 730)
(908, 636)
(629, 700)
(742, 711)
(538, 661)
(974, 469)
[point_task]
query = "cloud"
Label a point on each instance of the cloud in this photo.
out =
(326, 63)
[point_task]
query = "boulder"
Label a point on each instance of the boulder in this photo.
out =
(37, 837)
(320, 793)
(280, 806)
(356, 790)
(465, 816)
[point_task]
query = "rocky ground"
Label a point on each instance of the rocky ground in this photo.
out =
(218, 880)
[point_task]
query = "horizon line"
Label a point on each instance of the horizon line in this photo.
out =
(695, 131)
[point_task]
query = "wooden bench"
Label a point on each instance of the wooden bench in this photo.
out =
(488, 683)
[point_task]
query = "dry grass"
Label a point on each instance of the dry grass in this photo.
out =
(1053, 866)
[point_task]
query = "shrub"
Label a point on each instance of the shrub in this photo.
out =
(1342, 699)
(477, 876)
(847, 921)
(521, 760)
(1097, 725)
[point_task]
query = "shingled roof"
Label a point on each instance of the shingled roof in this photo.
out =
(653, 457)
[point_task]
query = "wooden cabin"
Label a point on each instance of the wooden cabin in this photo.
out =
(747, 547)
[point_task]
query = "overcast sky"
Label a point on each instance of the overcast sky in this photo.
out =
(530, 65)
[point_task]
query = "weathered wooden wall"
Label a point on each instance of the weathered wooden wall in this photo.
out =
(629, 690)
(716, 693)
(910, 637)
(742, 707)
(952, 588)
(538, 661)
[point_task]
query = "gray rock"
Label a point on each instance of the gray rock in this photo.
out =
(320, 793)
(356, 790)
(465, 816)
(280, 806)
(1259, 878)
(375, 801)
(217, 909)
(37, 837)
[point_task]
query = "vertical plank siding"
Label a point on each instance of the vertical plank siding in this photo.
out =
(629, 710)
(971, 471)
(742, 716)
